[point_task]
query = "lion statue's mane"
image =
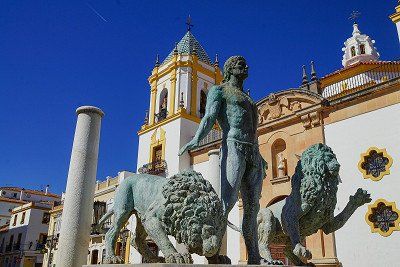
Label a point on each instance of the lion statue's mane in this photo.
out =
(309, 207)
(184, 206)
(191, 203)
(309, 178)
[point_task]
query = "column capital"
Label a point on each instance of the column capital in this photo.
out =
(213, 152)
(89, 109)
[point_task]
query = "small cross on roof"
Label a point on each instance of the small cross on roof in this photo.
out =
(189, 23)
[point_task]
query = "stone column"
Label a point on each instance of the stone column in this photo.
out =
(78, 204)
(215, 180)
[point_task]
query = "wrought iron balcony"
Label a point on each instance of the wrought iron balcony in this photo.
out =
(40, 246)
(52, 241)
(212, 136)
(155, 167)
(17, 246)
(161, 115)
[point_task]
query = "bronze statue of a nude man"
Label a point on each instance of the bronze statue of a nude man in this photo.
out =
(242, 167)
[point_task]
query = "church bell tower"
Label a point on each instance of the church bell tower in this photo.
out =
(178, 92)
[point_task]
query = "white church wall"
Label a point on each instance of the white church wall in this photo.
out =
(355, 244)
(188, 130)
(144, 149)
(172, 146)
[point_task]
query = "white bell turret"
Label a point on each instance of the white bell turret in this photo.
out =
(359, 48)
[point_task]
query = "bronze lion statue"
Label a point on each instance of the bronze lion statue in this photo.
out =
(309, 207)
(184, 206)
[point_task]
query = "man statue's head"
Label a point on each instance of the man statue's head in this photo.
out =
(235, 66)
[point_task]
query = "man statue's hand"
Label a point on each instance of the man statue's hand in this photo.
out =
(192, 144)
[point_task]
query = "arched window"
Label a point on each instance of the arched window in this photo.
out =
(362, 49)
(279, 164)
(276, 200)
(203, 101)
(353, 51)
(162, 105)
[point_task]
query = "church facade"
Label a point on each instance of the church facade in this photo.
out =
(353, 110)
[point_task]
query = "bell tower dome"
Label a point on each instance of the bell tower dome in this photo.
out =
(359, 48)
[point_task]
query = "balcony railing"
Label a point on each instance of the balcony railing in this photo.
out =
(17, 246)
(40, 246)
(52, 241)
(161, 115)
(363, 80)
(155, 167)
(8, 248)
(212, 136)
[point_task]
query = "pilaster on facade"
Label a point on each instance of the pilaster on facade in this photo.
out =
(396, 19)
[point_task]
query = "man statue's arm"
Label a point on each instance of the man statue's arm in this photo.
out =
(207, 122)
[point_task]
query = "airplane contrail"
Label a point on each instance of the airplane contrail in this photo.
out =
(95, 11)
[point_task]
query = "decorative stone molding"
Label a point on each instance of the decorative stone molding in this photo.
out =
(279, 180)
(291, 104)
(375, 163)
(383, 217)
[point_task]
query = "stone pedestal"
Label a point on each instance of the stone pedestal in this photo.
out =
(78, 204)
(173, 265)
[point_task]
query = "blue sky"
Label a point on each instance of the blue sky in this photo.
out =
(58, 55)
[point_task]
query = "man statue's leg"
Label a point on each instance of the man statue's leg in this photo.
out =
(251, 190)
(232, 170)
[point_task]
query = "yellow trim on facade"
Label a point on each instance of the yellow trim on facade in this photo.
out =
(194, 81)
(378, 230)
(193, 63)
(153, 95)
(387, 169)
(396, 16)
(128, 248)
(173, 89)
(180, 114)
(156, 142)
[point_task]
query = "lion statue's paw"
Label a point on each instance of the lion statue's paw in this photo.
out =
(219, 259)
(113, 259)
(179, 258)
(360, 198)
(154, 260)
(301, 252)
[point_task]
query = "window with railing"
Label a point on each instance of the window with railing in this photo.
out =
(163, 102)
(156, 167)
(161, 115)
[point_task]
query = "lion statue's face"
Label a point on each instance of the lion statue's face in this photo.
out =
(205, 242)
(211, 242)
(320, 159)
(332, 165)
